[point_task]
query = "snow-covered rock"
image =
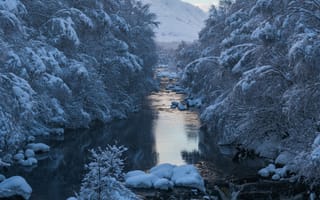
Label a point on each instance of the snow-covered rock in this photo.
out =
(29, 162)
(18, 156)
(134, 173)
(194, 102)
(163, 184)
(282, 172)
(267, 171)
(284, 158)
(166, 176)
(141, 181)
(15, 185)
(182, 107)
(276, 177)
(29, 153)
(174, 104)
(187, 176)
(38, 147)
(72, 198)
(163, 170)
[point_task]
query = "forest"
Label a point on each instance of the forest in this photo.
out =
(256, 68)
(254, 73)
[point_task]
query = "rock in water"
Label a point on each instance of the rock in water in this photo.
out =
(15, 186)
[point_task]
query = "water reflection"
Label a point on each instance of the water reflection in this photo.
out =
(175, 132)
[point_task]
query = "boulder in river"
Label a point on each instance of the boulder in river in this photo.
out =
(182, 107)
(15, 186)
(166, 176)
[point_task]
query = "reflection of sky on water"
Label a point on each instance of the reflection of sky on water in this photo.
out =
(175, 131)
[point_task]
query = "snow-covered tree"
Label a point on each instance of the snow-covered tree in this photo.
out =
(104, 172)
(258, 74)
(67, 63)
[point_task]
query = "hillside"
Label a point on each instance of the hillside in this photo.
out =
(178, 20)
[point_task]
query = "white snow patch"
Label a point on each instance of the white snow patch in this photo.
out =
(72, 198)
(141, 181)
(267, 171)
(18, 156)
(187, 176)
(15, 185)
(163, 170)
(29, 153)
(315, 154)
(134, 173)
(284, 158)
(316, 142)
(29, 162)
(163, 184)
(166, 176)
(9, 5)
(38, 147)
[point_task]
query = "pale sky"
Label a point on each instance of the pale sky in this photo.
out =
(203, 4)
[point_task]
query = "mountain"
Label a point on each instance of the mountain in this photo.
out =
(179, 20)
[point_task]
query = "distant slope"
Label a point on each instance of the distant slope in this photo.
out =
(179, 20)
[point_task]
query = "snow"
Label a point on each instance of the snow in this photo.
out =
(29, 153)
(284, 158)
(275, 177)
(29, 162)
(72, 198)
(167, 74)
(134, 173)
(166, 176)
(277, 173)
(61, 28)
(15, 185)
(194, 102)
(141, 181)
(178, 20)
(315, 154)
(18, 156)
(9, 5)
(163, 184)
(38, 147)
(187, 176)
(316, 142)
(163, 170)
(267, 171)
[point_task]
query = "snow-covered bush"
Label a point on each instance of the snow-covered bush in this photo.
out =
(104, 172)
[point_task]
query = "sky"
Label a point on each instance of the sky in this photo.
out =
(203, 4)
